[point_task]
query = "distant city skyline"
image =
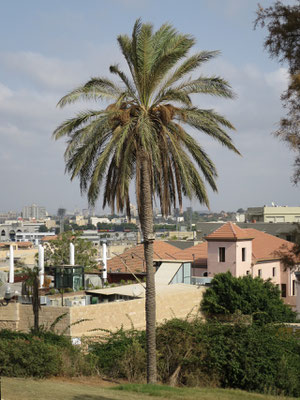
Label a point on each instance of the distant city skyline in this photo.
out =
(52, 47)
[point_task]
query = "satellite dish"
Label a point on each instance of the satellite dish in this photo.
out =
(136, 291)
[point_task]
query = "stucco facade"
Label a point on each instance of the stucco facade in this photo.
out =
(273, 214)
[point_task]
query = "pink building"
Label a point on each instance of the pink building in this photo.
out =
(243, 252)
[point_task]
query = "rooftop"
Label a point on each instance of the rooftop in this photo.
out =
(229, 231)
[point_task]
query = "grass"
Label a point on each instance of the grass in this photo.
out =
(168, 392)
(95, 389)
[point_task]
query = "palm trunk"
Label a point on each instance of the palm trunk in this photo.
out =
(146, 218)
(36, 302)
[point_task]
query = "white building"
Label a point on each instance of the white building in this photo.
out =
(34, 211)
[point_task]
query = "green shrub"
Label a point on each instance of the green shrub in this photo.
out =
(260, 358)
(24, 358)
(113, 353)
(247, 295)
(42, 354)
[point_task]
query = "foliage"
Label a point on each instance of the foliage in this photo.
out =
(140, 136)
(283, 42)
(43, 228)
(41, 354)
(263, 358)
(57, 251)
(106, 145)
(115, 350)
(117, 227)
(247, 295)
(290, 256)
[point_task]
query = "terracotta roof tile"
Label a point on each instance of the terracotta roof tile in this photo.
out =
(134, 257)
(264, 246)
(197, 253)
(229, 231)
(49, 237)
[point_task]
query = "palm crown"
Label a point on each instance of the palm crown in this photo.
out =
(147, 117)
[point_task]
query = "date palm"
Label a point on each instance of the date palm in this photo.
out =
(141, 135)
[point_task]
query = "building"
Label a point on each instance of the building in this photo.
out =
(283, 230)
(273, 214)
(34, 211)
(243, 252)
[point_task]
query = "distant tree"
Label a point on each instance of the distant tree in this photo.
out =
(240, 211)
(283, 42)
(43, 228)
(290, 256)
(247, 295)
(57, 251)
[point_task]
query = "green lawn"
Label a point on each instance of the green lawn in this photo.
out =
(28, 389)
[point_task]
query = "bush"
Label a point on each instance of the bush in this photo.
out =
(261, 358)
(24, 358)
(41, 354)
(116, 351)
(247, 295)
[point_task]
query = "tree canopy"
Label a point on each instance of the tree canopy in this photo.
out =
(247, 295)
(57, 251)
(141, 135)
(283, 42)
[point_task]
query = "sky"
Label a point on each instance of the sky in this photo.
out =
(48, 48)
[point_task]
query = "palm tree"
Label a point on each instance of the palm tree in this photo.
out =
(33, 282)
(141, 135)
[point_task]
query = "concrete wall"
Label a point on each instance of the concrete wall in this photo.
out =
(213, 265)
(9, 316)
(243, 266)
(177, 302)
(20, 317)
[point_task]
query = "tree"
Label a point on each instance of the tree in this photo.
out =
(283, 43)
(290, 254)
(57, 251)
(33, 282)
(247, 295)
(43, 228)
(141, 136)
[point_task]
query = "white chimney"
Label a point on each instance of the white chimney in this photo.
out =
(41, 265)
(72, 254)
(11, 265)
(104, 259)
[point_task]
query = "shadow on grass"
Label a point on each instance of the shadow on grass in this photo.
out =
(91, 397)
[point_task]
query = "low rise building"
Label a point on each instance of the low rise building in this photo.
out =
(243, 252)
(273, 214)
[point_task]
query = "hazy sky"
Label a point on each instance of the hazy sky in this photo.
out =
(49, 47)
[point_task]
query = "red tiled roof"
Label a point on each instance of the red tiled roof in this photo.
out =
(229, 231)
(265, 246)
(19, 244)
(197, 253)
(49, 237)
(134, 257)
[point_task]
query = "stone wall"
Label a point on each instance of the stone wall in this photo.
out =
(9, 316)
(20, 317)
(47, 316)
(172, 301)
(177, 301)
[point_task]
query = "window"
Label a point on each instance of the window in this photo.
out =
(259, 273)
(294, 288)
(273, 271)
(248, 272)
(283, 290)
(221, 254)
(243, 253)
